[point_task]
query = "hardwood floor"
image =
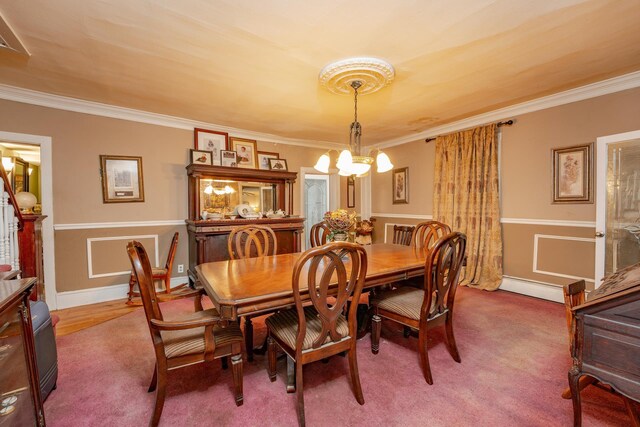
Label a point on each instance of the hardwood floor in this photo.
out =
(78, 318)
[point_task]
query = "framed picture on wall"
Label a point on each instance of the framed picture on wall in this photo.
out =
(263, 159)
(200, 157)
(278, 165)
(400, 185)
(121, 179)
(351, 191)
(229, 158)
(211, 140)
(247, 150)
(572, 174)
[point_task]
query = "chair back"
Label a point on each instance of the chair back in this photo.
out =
(573, 297)
(427, 233)
(318, 234)
(142, 269)
(252, 241)
(334, 270)
(402, 234)
(442, 269)
(172, 253)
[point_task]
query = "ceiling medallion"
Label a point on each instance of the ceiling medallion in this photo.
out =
(373, 73)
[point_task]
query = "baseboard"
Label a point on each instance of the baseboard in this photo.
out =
(105, 293)
(531, 288)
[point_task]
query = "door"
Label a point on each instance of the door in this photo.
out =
(617, 203)
(316, 201)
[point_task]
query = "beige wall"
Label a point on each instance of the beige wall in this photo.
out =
(526, 184)
(78, 140)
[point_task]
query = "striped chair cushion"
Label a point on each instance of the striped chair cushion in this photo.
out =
(284, 325)
(191, 341)
(156, 271)
(405, 301)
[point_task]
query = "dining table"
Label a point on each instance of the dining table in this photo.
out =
(251, 286)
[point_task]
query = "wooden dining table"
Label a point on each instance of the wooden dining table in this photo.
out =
(251, 286)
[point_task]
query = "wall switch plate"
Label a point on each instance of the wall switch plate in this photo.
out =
(180, 268)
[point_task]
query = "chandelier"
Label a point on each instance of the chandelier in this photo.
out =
(351, 161)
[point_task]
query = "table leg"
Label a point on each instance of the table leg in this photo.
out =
(291, 375)
(248, 338)
(574, 379)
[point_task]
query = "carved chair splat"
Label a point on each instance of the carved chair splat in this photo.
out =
(318, 234)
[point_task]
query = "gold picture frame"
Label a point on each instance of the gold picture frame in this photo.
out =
(572, 174)
(121, 179)
(400, 186)
(247, 150)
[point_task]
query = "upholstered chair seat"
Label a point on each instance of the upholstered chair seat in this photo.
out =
(406, 302)
(284, 325)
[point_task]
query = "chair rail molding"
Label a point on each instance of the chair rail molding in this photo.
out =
(397, 215)
(123, 224)
(536, 239)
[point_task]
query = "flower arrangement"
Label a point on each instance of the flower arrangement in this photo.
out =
(339, 222)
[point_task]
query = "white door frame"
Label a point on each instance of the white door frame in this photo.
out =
(46, 192)
(601, 194)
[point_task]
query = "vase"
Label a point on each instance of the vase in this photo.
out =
(340, 236)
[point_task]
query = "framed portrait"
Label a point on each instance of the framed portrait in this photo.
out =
(351, 191)
(263, 159)
(400, 186)
(121, 179)
(229, 158)
(200, 157)
(211, 140)
(572, 174)
(278, 165)
(247, 150)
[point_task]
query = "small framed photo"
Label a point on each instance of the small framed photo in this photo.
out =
(247, 150)
(200, 157)
(351, 191)
(400, 186)
(211, 140)
(278, 165)
(263, 159)
(229, 158)
(572, 170)
(121, 179)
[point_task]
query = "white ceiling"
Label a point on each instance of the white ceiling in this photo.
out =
(254, 64)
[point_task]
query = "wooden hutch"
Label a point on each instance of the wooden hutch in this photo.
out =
(263, 190)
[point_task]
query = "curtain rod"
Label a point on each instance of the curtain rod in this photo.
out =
(499, 124)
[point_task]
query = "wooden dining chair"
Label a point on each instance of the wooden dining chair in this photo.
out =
(574, 295)
(191, 339)
(402, 234)
(427, 233)
(159, 274)
(318, 234)
(333, 273)
(424, 308)
(251, 241)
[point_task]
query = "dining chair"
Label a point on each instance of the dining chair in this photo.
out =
(574, 295)
(424, 308)
(332, 273)
(427, 233)
(159, 274)
(318, 234)
(251, 241)
(402, 234)
(190, 339)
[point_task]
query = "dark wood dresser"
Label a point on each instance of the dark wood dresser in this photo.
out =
(606, 343)
(20, 402)
(30, 243)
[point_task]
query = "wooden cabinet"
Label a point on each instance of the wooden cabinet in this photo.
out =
(30, 244)
(208, 238)
(20, 402)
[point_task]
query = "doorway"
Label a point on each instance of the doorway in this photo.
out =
(617, 203)
(319, 194)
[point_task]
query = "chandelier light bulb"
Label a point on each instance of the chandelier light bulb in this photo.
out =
(344, 160)
(208, 189)
(383, 162)
(322, 165)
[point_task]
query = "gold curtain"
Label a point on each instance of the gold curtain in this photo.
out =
(466, 196)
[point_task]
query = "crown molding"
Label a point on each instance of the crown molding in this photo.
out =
(593, 90)
(27, 96)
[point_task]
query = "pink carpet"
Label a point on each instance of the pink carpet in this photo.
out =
(514, 363)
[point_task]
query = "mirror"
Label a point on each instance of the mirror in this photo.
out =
(222, 196)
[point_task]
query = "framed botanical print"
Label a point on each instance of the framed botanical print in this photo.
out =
(121, 179)
(572, 174)
(229, 158)
(200, 157)
(211, 140)
(400, 186)
(247, 150)
(263, 159)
